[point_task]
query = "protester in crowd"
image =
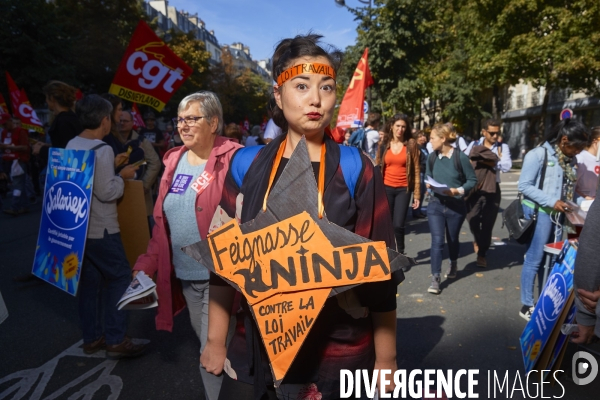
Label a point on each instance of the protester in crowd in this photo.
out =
(446, 210)
(14, 143)
(372, 125)
(489, 157)
(104, 262)
(233, 132)
(254, 139)
(588, 169)
(399, 159)
(587, 278)
(347, 135)
(460, 142)
(128, 137)
(122, 157)
(152, 132)
(422, 143)
(553, 160)
(182, 215)
(271, 130)
(305, 106)
(60, 98)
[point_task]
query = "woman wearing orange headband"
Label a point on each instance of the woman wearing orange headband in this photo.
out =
(305, 97)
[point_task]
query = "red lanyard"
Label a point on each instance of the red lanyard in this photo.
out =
(321, 180)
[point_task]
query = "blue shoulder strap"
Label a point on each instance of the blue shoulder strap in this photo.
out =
(242, 161)
(351, 164)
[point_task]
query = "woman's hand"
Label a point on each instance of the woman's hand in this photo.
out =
(415, 204)
(213, 357)
(128, 172)
(121, 159)
(133, 274)
(386, 365)
(561, 206)
(452, 192)
(428, 186)
(589, 299)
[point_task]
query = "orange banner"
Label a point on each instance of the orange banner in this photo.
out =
(352, 108)
(149, 72)
(292, 255)
(284, 322)
(22, 108)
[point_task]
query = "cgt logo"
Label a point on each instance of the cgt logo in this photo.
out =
(152, 72)
(583, 364)
(66, 205)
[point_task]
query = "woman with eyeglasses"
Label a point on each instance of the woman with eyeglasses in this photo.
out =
(399, 159)
(189, 193)
(552, 164)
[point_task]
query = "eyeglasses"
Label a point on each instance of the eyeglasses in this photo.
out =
(189, 121)
(125, 121)
(493, 133)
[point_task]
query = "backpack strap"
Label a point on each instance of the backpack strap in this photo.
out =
(431, 161)
(351, 164)
(242, 161)
(458, 166)
(98, 146)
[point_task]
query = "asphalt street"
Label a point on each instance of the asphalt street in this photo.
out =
(473, 324)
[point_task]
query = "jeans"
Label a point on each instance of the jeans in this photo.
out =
(104, 262)
(196, 295)
(445, 216)
(19, 198)
(534, 254)
(482, 213)
(398, 199)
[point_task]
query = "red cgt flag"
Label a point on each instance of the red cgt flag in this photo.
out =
(352, 108)
(149, 72)
(138, 121)
(3, 106)
(22, 108)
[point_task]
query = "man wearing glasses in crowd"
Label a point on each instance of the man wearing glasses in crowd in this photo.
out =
(483, 204)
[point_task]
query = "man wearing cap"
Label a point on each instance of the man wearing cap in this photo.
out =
(14, 143)
(152, 133)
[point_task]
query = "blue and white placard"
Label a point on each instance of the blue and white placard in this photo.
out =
(65, 218)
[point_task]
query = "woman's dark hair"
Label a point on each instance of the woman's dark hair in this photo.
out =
(114, 101)
(60, 92)
(576, 132)
(594, 135)
(388, 135)
(288, 50)
(91, 110)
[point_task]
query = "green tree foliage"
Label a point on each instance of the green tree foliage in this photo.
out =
(34, 46)
(243, 94)
(77, 41)
(458, 52)
(193, 52)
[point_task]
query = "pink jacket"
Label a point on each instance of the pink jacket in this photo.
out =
(158, 258)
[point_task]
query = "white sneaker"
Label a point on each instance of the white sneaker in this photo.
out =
(526, 312)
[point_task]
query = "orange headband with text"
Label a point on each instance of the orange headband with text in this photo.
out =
(308, 68)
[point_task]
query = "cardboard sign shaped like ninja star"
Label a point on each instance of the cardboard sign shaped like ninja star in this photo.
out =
(287, 262)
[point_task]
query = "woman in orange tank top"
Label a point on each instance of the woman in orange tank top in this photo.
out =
(398, 157)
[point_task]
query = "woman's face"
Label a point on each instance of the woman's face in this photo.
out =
(307, 100)
(421, 140)
(436, 141)
(398, 130)
(191, 136)
(568, 149)
(51, 104)
(117, 113)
